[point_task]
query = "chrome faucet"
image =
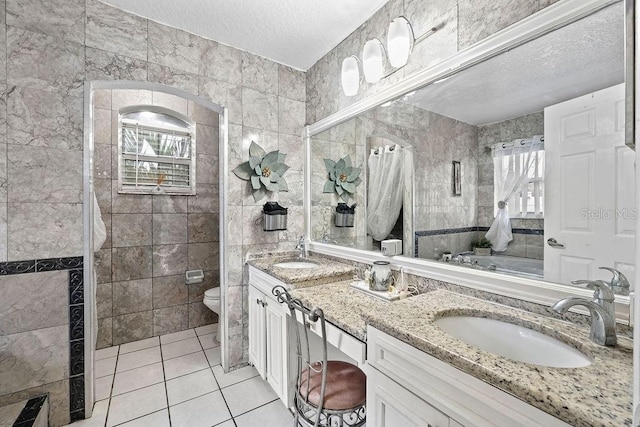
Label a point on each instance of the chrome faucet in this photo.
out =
(301, 248)
(601, 308)
(619, 282)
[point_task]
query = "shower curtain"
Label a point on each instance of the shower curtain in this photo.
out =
(507, 182)
(386, 188)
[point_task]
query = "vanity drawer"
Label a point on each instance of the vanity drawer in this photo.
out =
(347, 344)
(461, 396)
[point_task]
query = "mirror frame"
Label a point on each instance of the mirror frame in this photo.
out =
(537, 291)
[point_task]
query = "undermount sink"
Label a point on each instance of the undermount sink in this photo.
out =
(513, 341)
(296, 264)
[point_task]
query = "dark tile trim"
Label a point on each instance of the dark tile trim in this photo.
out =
(30, 412)
(446, 231)
(76, 322)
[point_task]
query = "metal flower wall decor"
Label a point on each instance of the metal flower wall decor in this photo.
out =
(343, 177)
(264, 171)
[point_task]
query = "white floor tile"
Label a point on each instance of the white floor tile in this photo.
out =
(213, 356)
(98, 417)
(189, 386)
(105, 353)
(135, 404)
(104, 367)
(137, 378)
(208, 341)
(138, 358)
(247, 395)
(228, 423)
(177, 336)
(180, 348)
(207, 329)
(203, 411)
(273, 414)
(139, 345)
(157, 419)
(103, 387)
(183, 365)
(233, 377)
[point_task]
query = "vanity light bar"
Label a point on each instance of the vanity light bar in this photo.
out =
(400, 43)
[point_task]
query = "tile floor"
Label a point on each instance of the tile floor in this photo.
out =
(176, 380)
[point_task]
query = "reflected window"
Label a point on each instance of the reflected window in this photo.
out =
(156, 152)
(525, 172)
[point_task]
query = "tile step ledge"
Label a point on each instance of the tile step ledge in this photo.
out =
(32, 412)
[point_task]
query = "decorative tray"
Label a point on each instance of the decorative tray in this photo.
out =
(384, 295)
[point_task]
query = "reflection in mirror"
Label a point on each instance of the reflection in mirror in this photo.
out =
(535, 137)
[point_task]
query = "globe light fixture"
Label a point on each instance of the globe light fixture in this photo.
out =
(400, 41)
(350, 75)
(373, 61)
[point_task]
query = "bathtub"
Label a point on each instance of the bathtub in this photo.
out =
(526, 267)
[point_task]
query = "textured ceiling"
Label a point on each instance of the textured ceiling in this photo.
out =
(577, 59)
(292, 32)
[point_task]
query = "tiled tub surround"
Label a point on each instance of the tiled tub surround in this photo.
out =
(599, 394)
(42, 334)
(527, 242)
(153, 239)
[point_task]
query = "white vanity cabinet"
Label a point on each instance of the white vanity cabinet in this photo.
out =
(268, 338)
(407, 387)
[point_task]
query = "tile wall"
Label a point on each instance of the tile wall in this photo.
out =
(42, 335)
(153, 239)
(436, 140)
(460, 24)
(48, 49)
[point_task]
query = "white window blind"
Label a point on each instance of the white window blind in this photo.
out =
(156, 153)
(528, 200)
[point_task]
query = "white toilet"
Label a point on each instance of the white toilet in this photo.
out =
(212, 300)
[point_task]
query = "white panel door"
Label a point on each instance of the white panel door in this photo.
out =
(589, 188)
(276, 348)
(257, 331)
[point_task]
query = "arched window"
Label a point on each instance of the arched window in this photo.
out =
(156, 151)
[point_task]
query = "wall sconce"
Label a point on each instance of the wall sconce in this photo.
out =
(373, 61)
(400, 43)
(350, 75)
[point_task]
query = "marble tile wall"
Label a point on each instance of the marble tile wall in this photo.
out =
(153, 239)
(42, 334)
(523, 245)
(460, 24)
(48, 48)
(436, 140)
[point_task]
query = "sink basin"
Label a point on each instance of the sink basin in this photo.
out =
(296, 264)
(513, 342)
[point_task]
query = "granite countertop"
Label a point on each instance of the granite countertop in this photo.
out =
(596, 395)
(327, 271)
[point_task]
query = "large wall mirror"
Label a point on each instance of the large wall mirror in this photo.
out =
(532, 137)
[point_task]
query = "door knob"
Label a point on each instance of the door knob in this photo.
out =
(554, 243)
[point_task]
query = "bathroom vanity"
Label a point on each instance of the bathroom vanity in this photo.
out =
(417, 374)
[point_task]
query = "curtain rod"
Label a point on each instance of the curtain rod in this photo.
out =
(520, 141)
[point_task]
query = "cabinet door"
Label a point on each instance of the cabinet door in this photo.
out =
(389, 405)
(257, 331)
(277, 350)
